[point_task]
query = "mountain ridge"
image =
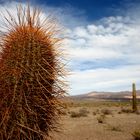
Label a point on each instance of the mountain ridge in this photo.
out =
(107, 95)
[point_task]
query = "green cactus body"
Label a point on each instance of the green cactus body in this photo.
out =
(134, 99)
(30, 68)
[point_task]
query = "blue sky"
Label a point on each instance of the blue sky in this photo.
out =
(102, 40)
(93, 9)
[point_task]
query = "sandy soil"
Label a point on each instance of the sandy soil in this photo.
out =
(115, 126)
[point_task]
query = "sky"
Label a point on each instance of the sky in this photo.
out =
(102, 40)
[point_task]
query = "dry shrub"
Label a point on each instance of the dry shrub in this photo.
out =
(31, 75)
(74, 114)
(97, 111)
(137, 112)
(83, 112)
(114, 128)
(94, 113)
(119, 112)
(101, 118)
(136, 135)
(126, 110)
(106, 111)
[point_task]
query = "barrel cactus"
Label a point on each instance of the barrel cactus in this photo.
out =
(31, 74)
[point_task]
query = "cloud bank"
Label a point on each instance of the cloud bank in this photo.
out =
(103, 55)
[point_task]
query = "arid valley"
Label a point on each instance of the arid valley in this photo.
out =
(99, 119)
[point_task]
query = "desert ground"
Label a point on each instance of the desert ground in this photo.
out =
(99, 120)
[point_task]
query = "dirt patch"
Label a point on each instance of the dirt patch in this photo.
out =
(116, 126)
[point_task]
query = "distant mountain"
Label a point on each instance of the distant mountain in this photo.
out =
(123, 95)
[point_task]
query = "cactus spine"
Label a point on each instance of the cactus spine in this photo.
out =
(134, 99)
(31, 75)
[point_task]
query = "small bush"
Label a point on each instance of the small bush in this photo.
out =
(74, 114)
(114, 128)
(137, 112)
(94, 113)
(136, 135)
(124, 110)
(119, 112)
(101, 119)
(69, 112)
(97, 111)
(82, 113)
(106, 111)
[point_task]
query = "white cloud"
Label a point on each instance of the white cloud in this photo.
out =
(114, 37)
(112, 41)
(99, 41)
(104, 79)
